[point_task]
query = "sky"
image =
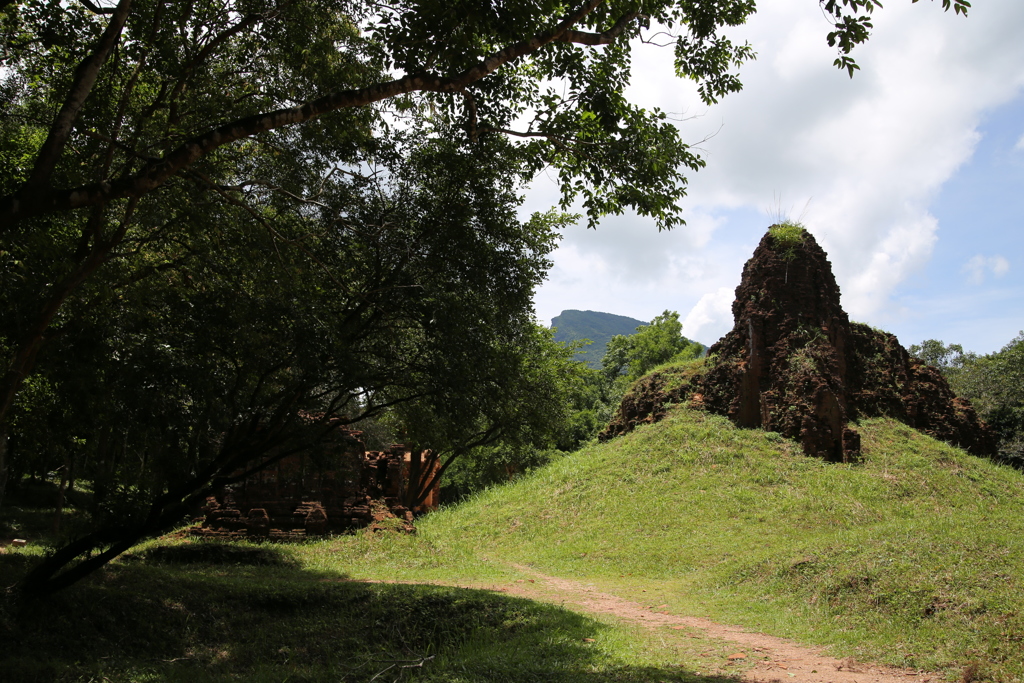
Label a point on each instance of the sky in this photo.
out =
(910, 176)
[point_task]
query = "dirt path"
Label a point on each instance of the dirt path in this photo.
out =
(775, 659)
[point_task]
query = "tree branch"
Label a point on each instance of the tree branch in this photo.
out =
(483, 438)
(155, 174)
(118, 144)
(84, 79)
(247, 21)
(586, 38)
(223, 192)
(96, 9)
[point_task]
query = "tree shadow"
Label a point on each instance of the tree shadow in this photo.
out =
(217, 612)
(219, 554)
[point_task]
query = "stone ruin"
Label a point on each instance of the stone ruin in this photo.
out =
(338, 487)
(795, 364)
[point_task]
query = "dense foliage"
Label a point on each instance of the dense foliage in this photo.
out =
(588, 400)
(659, 342)
(993, 382)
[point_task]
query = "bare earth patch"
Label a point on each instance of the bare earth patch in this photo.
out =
(772, 659)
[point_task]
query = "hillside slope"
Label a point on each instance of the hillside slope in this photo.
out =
(914, 556)
(593, 325)
(911, 557)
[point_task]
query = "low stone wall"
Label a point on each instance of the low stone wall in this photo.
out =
(338, 488)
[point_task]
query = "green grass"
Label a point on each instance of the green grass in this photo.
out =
(198, 612)
(914, 557)
(787, 236)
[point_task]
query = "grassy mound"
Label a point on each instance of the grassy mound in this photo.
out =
(913, 557)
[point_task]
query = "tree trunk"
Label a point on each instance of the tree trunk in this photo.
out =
(58, 508)
(71, 473)
(77, 559)
(412, 489)
(3, 464)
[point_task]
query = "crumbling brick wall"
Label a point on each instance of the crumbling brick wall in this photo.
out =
(339, 487)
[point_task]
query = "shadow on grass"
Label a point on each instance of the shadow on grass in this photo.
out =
(211, 612)
(220, 553)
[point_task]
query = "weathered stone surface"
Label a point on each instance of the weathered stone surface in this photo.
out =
(795, 364)
(315, 522)
(783, 366)
(648, 401)
(258, 522)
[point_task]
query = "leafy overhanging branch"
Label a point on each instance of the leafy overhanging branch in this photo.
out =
(84, 79)
(33, 202)
(852, 25)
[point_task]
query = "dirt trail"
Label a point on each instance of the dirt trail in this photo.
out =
(775, 659)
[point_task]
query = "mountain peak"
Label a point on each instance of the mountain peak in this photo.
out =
(571, 325)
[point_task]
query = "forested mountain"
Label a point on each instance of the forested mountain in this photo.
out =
(595, 326)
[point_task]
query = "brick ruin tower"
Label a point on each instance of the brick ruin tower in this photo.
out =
(795, 364)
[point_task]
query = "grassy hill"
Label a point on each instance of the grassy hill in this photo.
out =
(595, 326)
(914, 557)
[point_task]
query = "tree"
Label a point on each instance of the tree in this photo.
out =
(172, 92)
(994, 383)
(246, 353)
(543, 401)
(659, 342)
(946, 358)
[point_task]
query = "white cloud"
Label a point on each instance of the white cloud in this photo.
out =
(975, 270)
(1000, 266)
(711, 317)
(977, 266)
(1020, 144)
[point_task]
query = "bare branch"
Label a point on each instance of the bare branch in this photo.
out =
(559, 140)
(84, 79)
(96, 9)
(274, 188)
(586, 38)
(471, 123)
(650, 40)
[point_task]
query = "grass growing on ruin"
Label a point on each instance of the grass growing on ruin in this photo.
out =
(787, 233)
(787, 236)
